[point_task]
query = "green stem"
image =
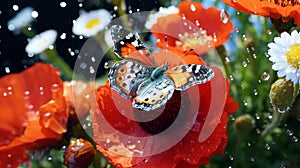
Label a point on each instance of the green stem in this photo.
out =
(277, 118)
(52, 56)
(224, 56)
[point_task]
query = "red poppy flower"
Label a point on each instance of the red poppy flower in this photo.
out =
(193, 27)
(189, 129)
(79, 96)
(272, 9)
(33, 112)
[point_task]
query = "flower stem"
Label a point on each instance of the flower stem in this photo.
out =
(53, 57)
(277, 118)
(224, 56)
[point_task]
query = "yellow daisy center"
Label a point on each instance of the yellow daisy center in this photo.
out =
(293, 56)
(92, 23)
(194, 39)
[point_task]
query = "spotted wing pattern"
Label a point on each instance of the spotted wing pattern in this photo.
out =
(188, 75)
(126, 75)
(153, 94)
(129, 45)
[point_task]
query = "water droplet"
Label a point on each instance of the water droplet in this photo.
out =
(11, 27)
(7, 70)
(63, 36)
(63, 4)
(80, 5)
(258, 131)
(231, 157)
(252, 159)
(92, 70)
(51, 47)
(34, 14)
(224, 16)
(270, 116)
(15, 7)
(265, 76)
(26, 94)
(231, 77)
(290, 133)
(4, 94)
(282, 110)
(237, 30)
(295, 139)
(269, 32)
(55, 88)
(93, 59)
(115, 8)
(193, 7)
(244, 64)
(108, 64)
(257, 116)
(244, 37)
(255, 92)
(83, 65)
(267, 146)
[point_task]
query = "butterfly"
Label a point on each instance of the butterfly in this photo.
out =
(150, 85)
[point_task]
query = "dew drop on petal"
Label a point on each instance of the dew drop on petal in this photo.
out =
(55, 88)
(265, 76)
(26, 94)
(224, 16)
(193, 7)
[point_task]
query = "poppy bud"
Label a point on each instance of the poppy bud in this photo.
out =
(282, 93)
(79, 154)
(244, 124)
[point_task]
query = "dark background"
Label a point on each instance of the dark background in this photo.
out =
(51, 16)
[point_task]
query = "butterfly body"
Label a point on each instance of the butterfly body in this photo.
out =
(149, 85)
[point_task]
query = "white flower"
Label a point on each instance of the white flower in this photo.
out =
(22, 19)
(152, 19)
(89, 24)
(285, 55)
(41, 42)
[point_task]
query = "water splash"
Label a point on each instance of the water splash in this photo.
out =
(224, 16)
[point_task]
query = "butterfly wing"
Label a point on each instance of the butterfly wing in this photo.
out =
(126, 75)
(188, 75)
(154, 94)
(127, 45)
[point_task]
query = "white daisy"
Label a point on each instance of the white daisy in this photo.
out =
(90, 23)
(41, 42)
(21, 19)
(152, 19)
(285, 55)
